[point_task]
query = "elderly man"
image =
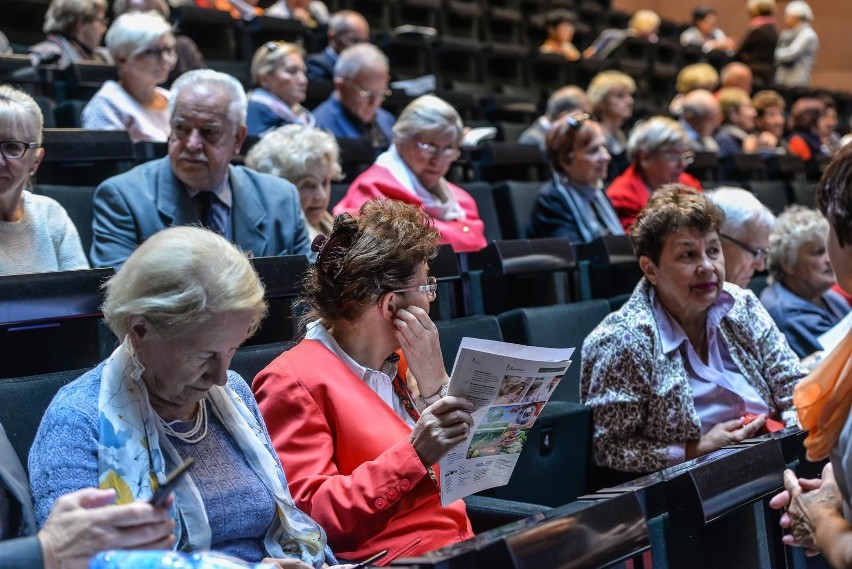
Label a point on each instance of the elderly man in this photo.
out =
(360, 86)
(346, 28)
(195, 183)
(700, 115)
(736, 74)
(563, 101)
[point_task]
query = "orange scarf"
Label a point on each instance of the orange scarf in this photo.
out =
(823, 400)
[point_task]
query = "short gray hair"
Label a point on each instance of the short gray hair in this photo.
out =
(342, 20)
(356, 57)
(427, 113)
(63, 14)
(741, 208)
(289, 150)
(119, 7)
(799, 9)
(795, 226)
(213, 79)
(134, 32)
(20, 114)
(653, 134)
(179, 279)
(566, 99)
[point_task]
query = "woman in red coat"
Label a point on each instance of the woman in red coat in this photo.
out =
(426, 141)
(358, 410)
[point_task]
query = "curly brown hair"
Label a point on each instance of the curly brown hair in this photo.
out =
(365, 256)
(671, 208)
(834, 194)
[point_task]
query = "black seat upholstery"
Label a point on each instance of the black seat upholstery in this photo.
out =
(771, 193)
(77, 201)
(515, 202)
(250, 360)
(482, 194)
(452, 331)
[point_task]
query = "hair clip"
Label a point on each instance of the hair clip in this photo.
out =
(576, 120)
(271, 45)
(318, 243)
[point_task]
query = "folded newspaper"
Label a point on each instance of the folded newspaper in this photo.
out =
(508, 385)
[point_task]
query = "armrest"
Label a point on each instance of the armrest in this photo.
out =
(487, 513)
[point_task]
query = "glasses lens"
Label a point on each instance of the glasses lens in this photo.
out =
(13, 149)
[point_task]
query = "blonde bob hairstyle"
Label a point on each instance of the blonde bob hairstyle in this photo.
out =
(795, 226)
(760, 7)
(181, 278)
(605, 83)
(134, 32)
(269, 56)
(288, 151)
(697, 76)
(63, 15)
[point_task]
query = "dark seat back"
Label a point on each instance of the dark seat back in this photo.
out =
(250, 360)
(515, 202)
(452, 331)
(77, 201)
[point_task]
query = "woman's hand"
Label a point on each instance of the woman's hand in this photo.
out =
(442, 426)
(725, 433)
(809, 508)
(782, 501)
(418, 337)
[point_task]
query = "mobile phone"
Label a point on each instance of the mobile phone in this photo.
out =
(370, 559)
(161, 493)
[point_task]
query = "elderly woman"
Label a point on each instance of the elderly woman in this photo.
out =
(659, 153)
(643, 24)
(672, 375)
(745, 233)
(573, 205)
(610, 95)
(560, 25)
(804, 139)
(426, 140)
(36, 234)
(358, 410)
(797, 47)
(769, 120)
(800, 298)
(278, 69)
(182, 304)
(705, 32)
(74, 31)
(757, 48)
(307, 157)
(143, 48)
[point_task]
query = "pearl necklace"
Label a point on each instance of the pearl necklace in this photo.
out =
(198, 430)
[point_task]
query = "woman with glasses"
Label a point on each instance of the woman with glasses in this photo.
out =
(690, 363)
(143, 47)
(800, 299)
(573, 204)
(36, 234)
(426, 140)
(358, 411)
(278, 70)
(658, 149)
(74, 31)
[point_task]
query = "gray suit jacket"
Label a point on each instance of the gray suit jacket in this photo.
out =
(129, 208)
(25, 552)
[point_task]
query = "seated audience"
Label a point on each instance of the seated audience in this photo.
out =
(360, 87)
(36, 234)
(426, 141)
(799, 297)
(804, 140)
(797, 47)
(312, 13)
(659, 153)
(737, 74)
(770, 121)
(74, 31)
(828, 127)
(744, 232)
(358, 411)
(345, 28)
(143, 48)
(757, 48)
(705, 32)
(699, 116)
(182, 305)
(309, 159)
(735, 135)
(239, 9)
(817, 511)
(561, 102)
(691, 78)
(573, 205)
(644, 24)
(195, 183)
(560, 25)
(278, 71)
(611, 97)
(670, 375)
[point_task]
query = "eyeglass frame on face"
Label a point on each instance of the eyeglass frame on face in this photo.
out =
(760, 254)
(26, 146)
(449, 153)
(430, 288)
(160, 52)
(687, 157)
(370, 95)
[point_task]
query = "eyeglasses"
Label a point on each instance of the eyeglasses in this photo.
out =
(759, 253)
(105, 21)
(432, 150)
(371, 95)
(430, 288)
(15, 149)
(687, 157)
(168, 52)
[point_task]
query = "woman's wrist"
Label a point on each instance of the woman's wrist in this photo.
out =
(441, 392)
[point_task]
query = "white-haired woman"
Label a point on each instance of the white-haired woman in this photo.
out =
(745, 233)
(278, 70)
(74, 31)
(799, 298)
(143, 47)
(610, 95)
(36, 234)
(797, 46)
(426, 140)
(181, 305)
(309, 159)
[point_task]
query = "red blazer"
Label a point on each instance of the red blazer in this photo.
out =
(629, 193)
(348, 460)
(377, 182)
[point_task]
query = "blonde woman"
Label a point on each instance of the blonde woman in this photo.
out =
(278, 69)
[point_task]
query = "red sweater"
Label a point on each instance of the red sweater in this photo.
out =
(629, 193)
(348, 460)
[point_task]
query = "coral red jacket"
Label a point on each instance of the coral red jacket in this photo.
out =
(348, 460)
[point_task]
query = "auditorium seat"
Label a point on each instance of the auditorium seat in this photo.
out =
(515, 202)
(452, 331)
(356, 155)
(457, 60)
(79, 157)
(771, 193)
(377, 12)
(69, 114)
(482, 194)
(549, 72)
(84, 78)
(77, 201)
(416, 12)
(504, 64)
(239, 69)
(255, 32)
(504, 24)
(213, 31)
(496, 161)
(250, 360)
(804, 193)
(462, 20)
(410, 56)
